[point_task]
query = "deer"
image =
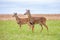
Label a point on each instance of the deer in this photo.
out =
(36, 20)
(20, 21)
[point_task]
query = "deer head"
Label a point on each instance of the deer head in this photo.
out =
(27, 12)
(15, 14)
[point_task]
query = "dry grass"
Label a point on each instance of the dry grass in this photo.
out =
(48, 16)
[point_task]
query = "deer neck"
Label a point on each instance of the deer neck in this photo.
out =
(16, 17)
(29, 16)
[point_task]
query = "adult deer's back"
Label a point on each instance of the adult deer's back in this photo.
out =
(34, 20)
(39, 19)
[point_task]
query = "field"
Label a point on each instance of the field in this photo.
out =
(48, 16)
(10, 30)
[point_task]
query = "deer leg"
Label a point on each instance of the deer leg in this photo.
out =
(45, 26)
(20, 25)
(41, 27)
(29, 25)
(32, 28)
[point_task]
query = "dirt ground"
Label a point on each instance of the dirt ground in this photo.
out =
(48, 16)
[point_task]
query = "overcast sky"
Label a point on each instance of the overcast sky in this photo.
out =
(35, 6)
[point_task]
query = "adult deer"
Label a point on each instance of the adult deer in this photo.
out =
(35, 20)
(20, 21)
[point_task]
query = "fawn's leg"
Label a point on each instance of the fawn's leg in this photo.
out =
(20, 25)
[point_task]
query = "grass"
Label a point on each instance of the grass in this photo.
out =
(10, 30)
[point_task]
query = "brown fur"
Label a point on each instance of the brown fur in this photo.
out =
(20, 21)
(36, 20)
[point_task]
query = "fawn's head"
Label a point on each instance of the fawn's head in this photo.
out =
(15, 14)
(27, 12)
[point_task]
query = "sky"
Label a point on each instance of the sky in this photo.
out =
(35, 6)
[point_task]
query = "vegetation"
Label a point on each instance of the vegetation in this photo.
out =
(10, 30)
